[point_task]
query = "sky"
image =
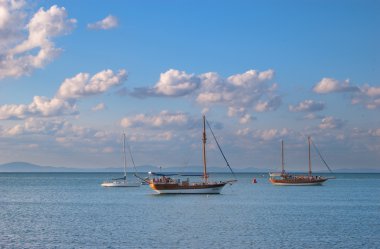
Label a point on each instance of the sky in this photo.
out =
(72, 81)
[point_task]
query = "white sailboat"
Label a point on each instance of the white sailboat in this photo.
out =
(122, 181)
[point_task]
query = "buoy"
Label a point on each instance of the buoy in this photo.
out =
(254, 180)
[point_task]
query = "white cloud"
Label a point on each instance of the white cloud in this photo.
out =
(271, 134)
(99, 107)
(375, 132)
(331, 123)
(366, 95)
(246, 118)
(369, 96)
(37, 126)
(250, 77)
(312, 116)
(40, 106)
(243, 132)
(239, 93)
(82, 85)
(20, 53)
(64, 103)
(307, 106)
(371, 91)
(329, 85)
(108, 22)
(172, 83)
(269, 105)
(164, 118)
(108, 150)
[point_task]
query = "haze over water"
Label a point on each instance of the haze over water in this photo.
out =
(71, 210)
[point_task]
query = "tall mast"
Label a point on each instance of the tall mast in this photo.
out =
(204, 149)
(282, 157)
(125, 157)
(308, 138)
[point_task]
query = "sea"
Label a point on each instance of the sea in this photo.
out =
(72, 210)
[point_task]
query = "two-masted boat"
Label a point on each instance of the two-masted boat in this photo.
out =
(122, 181)
(166, 184)
(285, 179)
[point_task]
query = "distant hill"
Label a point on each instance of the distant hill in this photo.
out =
(29, 167)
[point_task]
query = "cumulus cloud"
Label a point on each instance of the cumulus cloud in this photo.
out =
(269, 105)
(307, 106)
(331, 123)
(329, 85)
(99, 107)
(313, 116)
(37, 126)
(239, 93)
(40, 106)
(172, 83)
(164, 118)
(25, 47)
(246, 118)
(271, 134)
(366, 95)
(369, 96)
(375, 132)
(63, 133)
(64, 102)
(82, 85)
(243, 132)
(108, 22)
(164, 126)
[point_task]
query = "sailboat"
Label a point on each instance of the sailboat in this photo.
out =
(165, 184)
(122, 181)
(284, 179)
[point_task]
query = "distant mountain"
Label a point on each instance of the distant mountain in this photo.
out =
(29, 167)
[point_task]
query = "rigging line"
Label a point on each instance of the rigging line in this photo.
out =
(220, 149)
(130, 153)
(133, 162)
(323, 160)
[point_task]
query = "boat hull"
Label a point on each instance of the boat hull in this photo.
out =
(120, 184)
(163, 188)
(297, 183)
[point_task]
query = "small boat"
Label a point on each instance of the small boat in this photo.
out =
(122, 181)
(165, 184)
(285, 179)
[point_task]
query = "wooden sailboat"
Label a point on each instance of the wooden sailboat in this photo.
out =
(122, 181)
(165, 184)
(286, 179)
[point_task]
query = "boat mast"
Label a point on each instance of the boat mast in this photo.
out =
(204, 149)
(308, 138)
(282, 157)
(125, 157)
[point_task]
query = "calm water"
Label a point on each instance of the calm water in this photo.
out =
(71, 210)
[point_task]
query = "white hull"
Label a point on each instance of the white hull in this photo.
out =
(120, 184)
(297, 184)
(215, 190)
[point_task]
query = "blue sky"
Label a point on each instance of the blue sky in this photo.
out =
(71, 81)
